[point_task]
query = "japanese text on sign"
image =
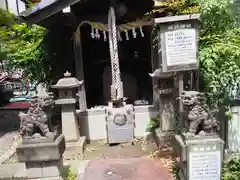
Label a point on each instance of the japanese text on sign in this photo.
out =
(181, 47)
(204, 165)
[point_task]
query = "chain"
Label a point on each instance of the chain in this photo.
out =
(113, 46)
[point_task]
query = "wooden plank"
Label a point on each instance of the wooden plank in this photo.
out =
(79, 69)
(176, 18)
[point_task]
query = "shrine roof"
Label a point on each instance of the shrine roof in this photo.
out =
(45, 9)
(49, 13)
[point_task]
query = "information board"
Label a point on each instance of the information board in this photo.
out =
(205, 165)
(181, 47)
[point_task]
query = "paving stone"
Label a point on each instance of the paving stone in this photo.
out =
(126, 169)
(7, 171)
(34, 170)
(52, 169)
(18, 170)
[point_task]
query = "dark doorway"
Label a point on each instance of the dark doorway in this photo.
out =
(135, 64)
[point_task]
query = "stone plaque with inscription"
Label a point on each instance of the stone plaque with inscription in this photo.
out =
(200, 157)
(205, 165)
(179, 37)
(204, 159)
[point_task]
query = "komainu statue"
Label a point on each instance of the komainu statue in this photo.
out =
(198, 118)
(36, 118)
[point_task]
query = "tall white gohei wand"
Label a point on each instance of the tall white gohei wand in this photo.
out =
(141, 31)
(134, 33)
(126, 34)
(104, 35)
(92, 33)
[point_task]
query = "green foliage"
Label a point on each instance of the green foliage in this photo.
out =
(175, 170)
(179, 7)
(153, 124)
(231, 170)
(24, 47)
(71, 175)
(219, 51)
(6, 18)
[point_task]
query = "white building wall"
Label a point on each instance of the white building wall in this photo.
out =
(14, 6)
(21, 6)
(2, 4)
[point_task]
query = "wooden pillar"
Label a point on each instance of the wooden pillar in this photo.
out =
(79, 69)
(180, 89)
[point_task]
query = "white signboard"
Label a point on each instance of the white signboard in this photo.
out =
(181, 47)
(205, 165)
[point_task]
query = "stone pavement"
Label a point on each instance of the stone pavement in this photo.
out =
(126, 169)
(101, 169)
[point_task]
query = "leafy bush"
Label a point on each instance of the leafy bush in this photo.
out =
(231, 170)
(71, 175)
(219, 50)
(26, 48)
(153, 124)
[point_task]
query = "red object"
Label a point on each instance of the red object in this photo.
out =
(18, 105)
(36, 1)
(126, 169)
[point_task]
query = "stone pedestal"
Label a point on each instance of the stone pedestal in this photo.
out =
(200, 157)
(69, 123)
(42, 157)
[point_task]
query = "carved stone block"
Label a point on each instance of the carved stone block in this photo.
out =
(46, 151)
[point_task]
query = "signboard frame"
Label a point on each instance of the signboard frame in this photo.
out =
(173, 24)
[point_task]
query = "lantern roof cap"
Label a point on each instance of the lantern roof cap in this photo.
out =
(67, 82)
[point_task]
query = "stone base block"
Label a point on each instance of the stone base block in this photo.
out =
(180, 147)
(40, 170)
(42, 151)
(80, 145)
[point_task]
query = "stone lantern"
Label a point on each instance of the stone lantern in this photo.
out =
(68, 88)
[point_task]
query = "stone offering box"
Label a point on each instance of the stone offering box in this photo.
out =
(43, 157)
(200, 157)
(178, 42)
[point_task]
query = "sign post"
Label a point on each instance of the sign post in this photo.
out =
(179, 47)
(200, 156)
